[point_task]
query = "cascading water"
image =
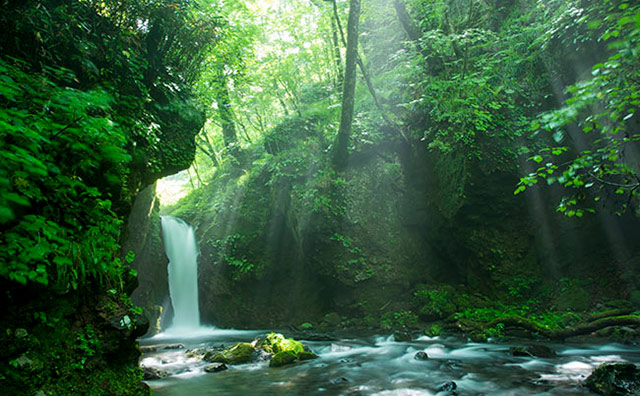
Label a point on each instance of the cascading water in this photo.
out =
(180, 246)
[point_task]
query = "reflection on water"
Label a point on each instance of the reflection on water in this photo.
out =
(378, 366)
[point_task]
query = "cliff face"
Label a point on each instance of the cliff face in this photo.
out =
(283, 241)
(144, 238)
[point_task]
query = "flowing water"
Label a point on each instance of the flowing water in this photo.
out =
(182, 251)
(378, 366)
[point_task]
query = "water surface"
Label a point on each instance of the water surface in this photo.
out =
(378, 366)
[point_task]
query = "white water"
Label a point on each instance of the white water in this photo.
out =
(376, 366)
(182, 250)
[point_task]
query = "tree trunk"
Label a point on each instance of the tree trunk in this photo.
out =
(341, 146)
(226, 118)
(336, 53)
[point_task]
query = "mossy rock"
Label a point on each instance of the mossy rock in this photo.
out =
(275, 343)
(306, 355)
(615, 379)
(287, 357)
(283, 358)
(238, 354)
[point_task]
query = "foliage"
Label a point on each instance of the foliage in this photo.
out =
(80, 135)
(232, 250)
(398, 320)
(59, 148)
(433, 331)
(599, 118)
(87, 346)
(435, 303)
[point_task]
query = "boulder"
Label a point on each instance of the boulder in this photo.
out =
(216, 367)
(283, 350)
(283, 358)
(150, 373)
(276, 342)
(422, 355)
(402, 336)
(539, 351)
(238, 354)
(615, 379)
(448, 386)
(306, 355)
(173, 346)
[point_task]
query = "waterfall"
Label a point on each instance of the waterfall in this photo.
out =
(180, 246)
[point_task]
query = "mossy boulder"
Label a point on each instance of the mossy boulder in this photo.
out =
(283, 358)
(284, 350)
(306, 355)
(615, 379)
(275, 343)
(238, 354)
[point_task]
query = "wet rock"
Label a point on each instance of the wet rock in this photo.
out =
(402, 336)
(451, 365)
(262, 356)
(216, 367)
(447, 386)
(149, 348)
(615, 379)
(339, 381)
(238, 354)
(150, 373)
(275, 342)
(422, 355)
(306, 355)
(173, 346)
(318, 337)
(282, 359)
(540, 351)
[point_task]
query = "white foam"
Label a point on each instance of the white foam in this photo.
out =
(404, 392)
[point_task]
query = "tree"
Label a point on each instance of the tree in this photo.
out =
(600, 118)
(341, 147)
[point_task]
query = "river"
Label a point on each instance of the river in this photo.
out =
(379, 366)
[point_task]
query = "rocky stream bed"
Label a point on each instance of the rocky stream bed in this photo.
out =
(381, 366)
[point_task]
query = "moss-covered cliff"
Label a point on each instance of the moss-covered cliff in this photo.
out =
(399, 237)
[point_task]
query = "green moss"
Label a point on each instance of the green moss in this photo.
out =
(433, 331)
(435, 303)
(238, 354)
(306, 355)
(275, 343)
(283, 358)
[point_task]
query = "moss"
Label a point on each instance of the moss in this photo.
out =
(283, 358)
(433, 331)
(306, 355)
(275, 343)
(238, 354)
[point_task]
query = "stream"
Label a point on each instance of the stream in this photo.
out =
(379, 366)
